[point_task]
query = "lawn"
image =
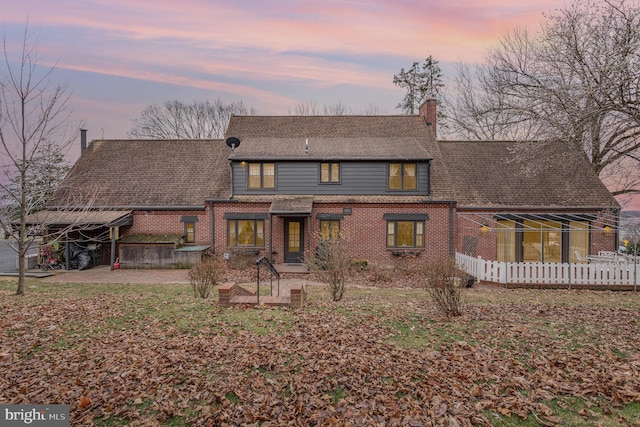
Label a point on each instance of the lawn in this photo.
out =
(154, 355)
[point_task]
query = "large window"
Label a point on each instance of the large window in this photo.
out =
(402, 176)
(245, 232)
(506, 244)
(261, 176)
(542, 240)
(405, 234)
(329, 229)
(578, 240)
(330, 173)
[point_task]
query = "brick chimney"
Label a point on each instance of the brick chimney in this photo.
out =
(428, 111)
(83, 140)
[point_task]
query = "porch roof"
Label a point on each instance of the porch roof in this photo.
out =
(62, 217)
(289, 206)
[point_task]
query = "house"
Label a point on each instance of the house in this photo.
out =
(275, 186)
(146, 198)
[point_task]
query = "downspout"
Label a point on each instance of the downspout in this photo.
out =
(231, 176)
(308, 234)
(212, 228)
(113, 249)
(451, 249)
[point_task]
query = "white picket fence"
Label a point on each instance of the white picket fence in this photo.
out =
(540, 273)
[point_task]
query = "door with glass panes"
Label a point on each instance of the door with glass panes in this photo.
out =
(293, 240)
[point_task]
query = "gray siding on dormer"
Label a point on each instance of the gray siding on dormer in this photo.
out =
(356, 178)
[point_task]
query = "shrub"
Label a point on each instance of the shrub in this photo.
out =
(242, 260)
(445, 284)
(359, 265)
(205, 275)
(330, 263)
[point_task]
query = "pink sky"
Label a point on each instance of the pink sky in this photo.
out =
(119, 56)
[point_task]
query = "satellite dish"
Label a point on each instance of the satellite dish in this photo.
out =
(233, 142)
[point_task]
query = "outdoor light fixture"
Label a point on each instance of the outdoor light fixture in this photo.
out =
(484, 229)
(606, 229)
(243, 164)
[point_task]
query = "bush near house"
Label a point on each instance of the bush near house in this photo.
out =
(205, 275)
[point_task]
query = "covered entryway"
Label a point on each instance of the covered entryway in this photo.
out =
(295, 213)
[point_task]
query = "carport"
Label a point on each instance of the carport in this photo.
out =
(97, 231)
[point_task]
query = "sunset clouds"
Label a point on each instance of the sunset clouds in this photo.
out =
(119, 56)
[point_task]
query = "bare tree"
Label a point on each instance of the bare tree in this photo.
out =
(445, 283)
(310, 108)
(330, 263)
(47, 170)
(305, 108)
(34, 126)
(478, 114)
(337, 109)
(177, 120)
(372, 110)
(575, 80)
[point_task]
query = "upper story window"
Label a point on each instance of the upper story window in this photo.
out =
(261, 176)
(402, 176)
(330, 173)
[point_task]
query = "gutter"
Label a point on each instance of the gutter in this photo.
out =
(533, 208)
(132, 208)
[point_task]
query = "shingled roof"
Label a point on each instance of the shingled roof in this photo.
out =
(398, 126)
(336, 137)
(521, 175)
(149, 173)
(476, 174)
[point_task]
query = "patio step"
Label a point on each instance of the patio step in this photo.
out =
(274, 301)
(292, 268)
(244, 299)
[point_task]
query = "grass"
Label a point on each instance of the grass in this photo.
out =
(389, 340)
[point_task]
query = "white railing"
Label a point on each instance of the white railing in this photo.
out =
(521, 273)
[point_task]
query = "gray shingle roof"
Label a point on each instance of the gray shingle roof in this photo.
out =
(328, 127)
(332, 148)
(182, 173)
(331, 137)
(521, 174)
(150, 173)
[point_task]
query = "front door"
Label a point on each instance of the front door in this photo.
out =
(293, 240)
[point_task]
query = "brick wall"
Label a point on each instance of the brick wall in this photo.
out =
(365, 228)
(168, 222)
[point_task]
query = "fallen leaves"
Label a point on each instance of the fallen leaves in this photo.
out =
(149, 359)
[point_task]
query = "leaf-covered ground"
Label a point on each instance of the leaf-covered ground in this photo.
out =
(154, 355)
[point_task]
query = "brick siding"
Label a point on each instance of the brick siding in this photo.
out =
(168, 222)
